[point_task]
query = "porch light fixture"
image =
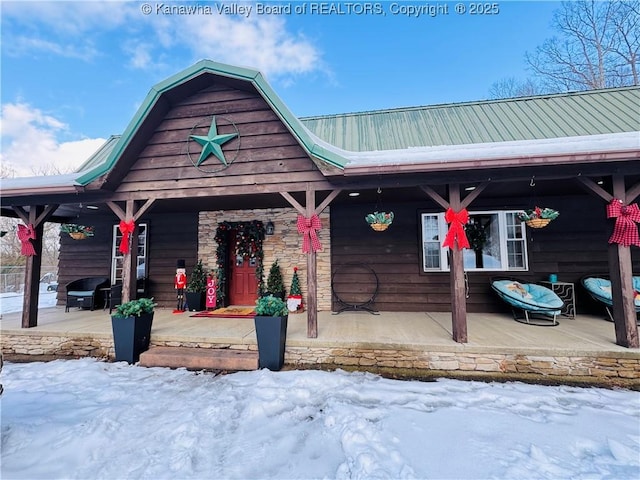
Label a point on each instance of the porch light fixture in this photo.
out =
(270, 228)
(470, 188)
(92, 207)
(354, 194)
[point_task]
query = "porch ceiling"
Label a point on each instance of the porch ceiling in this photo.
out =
(392, 191)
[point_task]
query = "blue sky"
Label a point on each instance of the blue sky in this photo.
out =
(74, 73)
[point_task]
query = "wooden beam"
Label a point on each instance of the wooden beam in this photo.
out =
(129, 267)
(327, 201)
(595, 188)
(32, 272)
(458, 294)
(435, 196)
(632, 193)
(312, 274)
(37, 216)
(22, 213)
(621, 272)
(473, 195)
(294, 203)
(115, 208)
(46, 214)
(143, 209)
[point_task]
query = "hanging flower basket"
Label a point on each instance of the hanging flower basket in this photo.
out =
(77, 232)
(379, 227)
(538, 217)
(538, 222)
(379, 221)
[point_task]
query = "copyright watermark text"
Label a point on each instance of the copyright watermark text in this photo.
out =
(399, 8)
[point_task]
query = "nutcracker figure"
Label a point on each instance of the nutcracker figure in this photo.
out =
(180, 284)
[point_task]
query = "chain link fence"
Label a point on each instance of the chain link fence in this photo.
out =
(12, 278)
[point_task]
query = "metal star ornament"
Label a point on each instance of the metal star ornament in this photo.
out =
(212, 143)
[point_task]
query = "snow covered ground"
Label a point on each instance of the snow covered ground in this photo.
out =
(12, 302)
(86, 419)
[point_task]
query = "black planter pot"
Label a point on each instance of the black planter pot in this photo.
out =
(272, 335)
(195, 301)
(131, 336)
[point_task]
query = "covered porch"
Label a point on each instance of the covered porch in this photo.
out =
(404, 344)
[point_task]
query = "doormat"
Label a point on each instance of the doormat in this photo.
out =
(227, 312)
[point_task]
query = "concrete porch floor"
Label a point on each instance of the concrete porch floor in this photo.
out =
(398, 344)
(487, 333)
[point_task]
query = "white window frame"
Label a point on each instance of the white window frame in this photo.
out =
(117, 257)
(503, 242)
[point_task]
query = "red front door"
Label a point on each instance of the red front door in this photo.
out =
(243, 288)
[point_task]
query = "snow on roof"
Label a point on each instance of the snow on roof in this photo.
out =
(450, 154)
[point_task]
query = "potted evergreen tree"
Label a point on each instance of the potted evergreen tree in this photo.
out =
(196, 288)
(275, 284)
(271, 331)
(294, 300)
(131, 326)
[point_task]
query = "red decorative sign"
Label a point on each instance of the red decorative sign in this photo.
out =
(211, 292)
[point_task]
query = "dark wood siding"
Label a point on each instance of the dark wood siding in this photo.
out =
(572, 246)
(269, 158)
(171, 237)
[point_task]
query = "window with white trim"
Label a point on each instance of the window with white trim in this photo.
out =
(497, 239)
(117, 257)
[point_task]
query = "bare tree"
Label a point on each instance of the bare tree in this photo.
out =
(512, 87)
(597, 46)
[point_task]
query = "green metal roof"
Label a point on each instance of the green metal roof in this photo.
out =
(526, 118)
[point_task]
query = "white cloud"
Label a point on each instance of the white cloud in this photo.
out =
(77, 29)
(139, 54)
(31, 144)
(71, 18)
(20, 45)
(262, 42)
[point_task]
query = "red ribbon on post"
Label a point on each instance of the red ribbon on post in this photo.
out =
(625, 231)
(126, 228)
(26, 233)
(309, 227)
(456, 221)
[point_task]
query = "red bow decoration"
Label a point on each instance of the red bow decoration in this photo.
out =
(126, 228)
(309, 227)
(625, 231)
(456, 221)
(26, 233)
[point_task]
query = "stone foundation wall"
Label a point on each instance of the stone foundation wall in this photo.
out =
(597, 369)
(52, 345)
(285, 245)
(600, 367)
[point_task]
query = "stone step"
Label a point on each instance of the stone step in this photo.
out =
(200, 358)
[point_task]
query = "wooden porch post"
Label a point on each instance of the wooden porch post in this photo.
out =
(129, 264)
(312, 274)
(37, 216)
(312, 265)
(456, 276)
(621, 271)
(458, 298)
(620, 268)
